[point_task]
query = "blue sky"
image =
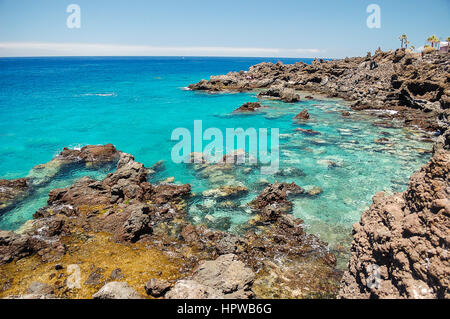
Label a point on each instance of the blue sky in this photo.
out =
(289, 28)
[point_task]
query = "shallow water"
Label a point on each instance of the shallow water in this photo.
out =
(135, 103)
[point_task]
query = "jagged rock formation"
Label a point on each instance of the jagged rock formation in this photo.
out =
(125, 209)
(120, 204)
(12, 191)
(273, 200)
(417, 88)
(407, 237)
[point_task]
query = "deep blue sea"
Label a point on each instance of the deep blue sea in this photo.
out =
(135, 103)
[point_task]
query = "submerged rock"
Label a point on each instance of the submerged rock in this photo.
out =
(12, 191)
(315, 190)
(125, 213)
(382, 140)
(37, 290)
(168, 180)
(226, 192)
(221, 223)
(116, 274)
(307, 131)
(158, 166)
(96, 277)
(290, 172)
(262, 182)
(235, 157)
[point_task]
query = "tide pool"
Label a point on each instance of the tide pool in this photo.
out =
(136, 103)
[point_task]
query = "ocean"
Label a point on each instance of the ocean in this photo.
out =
(136, 102)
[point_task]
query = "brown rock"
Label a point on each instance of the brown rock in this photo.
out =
(273, 201)
(284, 94)
(156, 287)
(12, 190)
(397, 247)
(248, 107)
(303, 115)
(91, 153)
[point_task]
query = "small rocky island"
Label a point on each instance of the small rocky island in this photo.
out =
(124, 237)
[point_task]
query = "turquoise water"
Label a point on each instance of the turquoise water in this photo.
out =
(136, 103)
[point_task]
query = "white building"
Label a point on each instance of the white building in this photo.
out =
(443, 47)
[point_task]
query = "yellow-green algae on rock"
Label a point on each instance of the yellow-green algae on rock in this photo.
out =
(137, 262)
(301, 278)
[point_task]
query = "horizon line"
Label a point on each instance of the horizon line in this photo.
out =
(160, 56)
(48, 49)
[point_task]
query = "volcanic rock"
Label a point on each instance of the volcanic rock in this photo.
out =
(12, 191)
(248, 107)
(398, 248)
(303, 115)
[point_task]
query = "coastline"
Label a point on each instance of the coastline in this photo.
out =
(103, 220)
(386, 241)
(62, 228)
(415, 87)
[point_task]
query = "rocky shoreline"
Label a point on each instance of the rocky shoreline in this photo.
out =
(406, 237)
(129, 238)
(413, 88)
(91, 220)
(400, 246)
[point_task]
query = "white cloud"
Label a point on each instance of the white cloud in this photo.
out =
(94, 49)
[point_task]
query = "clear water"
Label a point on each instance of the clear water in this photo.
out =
(135, 103)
